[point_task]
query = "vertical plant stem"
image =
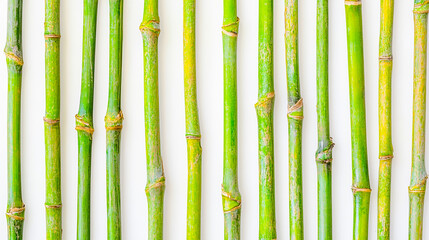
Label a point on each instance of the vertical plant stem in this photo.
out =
(361, 187)
(325, 144)
(13, 52)
(417, 186)
(265, 109)
(53, 202)
(113, 121)
(192, 124)
(384, 115)
(155, 172)
(84, 121)
(231, 198)
(295, 117)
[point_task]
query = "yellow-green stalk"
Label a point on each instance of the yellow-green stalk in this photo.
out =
(13, 52)
(52, 120)
(231, 198)
(155, 172)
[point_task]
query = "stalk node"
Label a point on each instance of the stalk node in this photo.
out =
(48, 36)
(296, 111)
(51, 121)
(353, 3)
(265, 104)
(356, 190)
(324, 156)
(230, 203)
(83, 125)
(160, 182)
(420, 187)
(386, 158)
(421, 8)
(53, 206)
(15, 58)
(231, 29)
(193, 136)
(16, 213)
(114, 123)
(150, 27)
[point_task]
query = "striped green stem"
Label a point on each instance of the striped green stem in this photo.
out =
(193, 225)
(264, 110)
(155, 172)
(52, 120)
(231, 198)
(325, 144)
(417, 186)
(84, 121)
(113, 122)
(295, 117)
(384, 115)
(13, 51)
(361, 187)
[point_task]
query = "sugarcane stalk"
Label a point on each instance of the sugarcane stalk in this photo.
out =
(417, 186)
(84, 119)
(113, 122)
(325, 144)
(193, 223)
(361, 186)
(155, 172)
(265, 111)
(13, 52)
(231, 198)
(53, 202)
(295, 117)
(384, 121)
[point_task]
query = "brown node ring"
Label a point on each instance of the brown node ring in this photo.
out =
(150, 26)
(158, 183)
(386, 158)
(12, 211)
(385, 58)
(414, 188)
(53, 206)
(86, 126)
(114, 123)
(51, 121)
(230, 198)
(297, 107)
(12, 56)
(356, 189)
(353, 3)
(233, 28)
(47, 36)
(193, 136)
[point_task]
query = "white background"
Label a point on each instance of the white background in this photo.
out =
(210, 100)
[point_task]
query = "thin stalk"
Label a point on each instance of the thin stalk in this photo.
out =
(265, 111)
(231, 198)
(84, 121)
(155, 172)
(417, 186)
(325, 144)
(295, 117)
(113, 122)
(384, 115)
(53, 202)
(361, 187)
(13, 51)
(193, 223)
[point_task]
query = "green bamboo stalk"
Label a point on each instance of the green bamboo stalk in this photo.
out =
(231, 198)
(361, 187)
(384, 115)
(325, 144)
(113, 121)
(417, 186)
(53, 202)
(13, 52)
(84, 119)
(295, 117)
(155, 172)
(265, 111)
(193, 223)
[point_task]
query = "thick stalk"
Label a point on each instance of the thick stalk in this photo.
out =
(113, 122)
(84, 122)
(384, 115)
(325, 144)
(265, 111)
(13, 52)
(52, 120)
(361, 187)
(193, 223)
(155, 172)
(231, 198)
(295, 117)
(417, 186)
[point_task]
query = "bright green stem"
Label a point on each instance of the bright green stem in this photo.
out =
(325, 145)
(295, 117)
(84, 120)
(52, 120)
(155, 172)
(15, 206)
(113, 121)
(264, 110)
(417, 186)
(361, 187)
(384, 122)
(193, 223)
(231, 198)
